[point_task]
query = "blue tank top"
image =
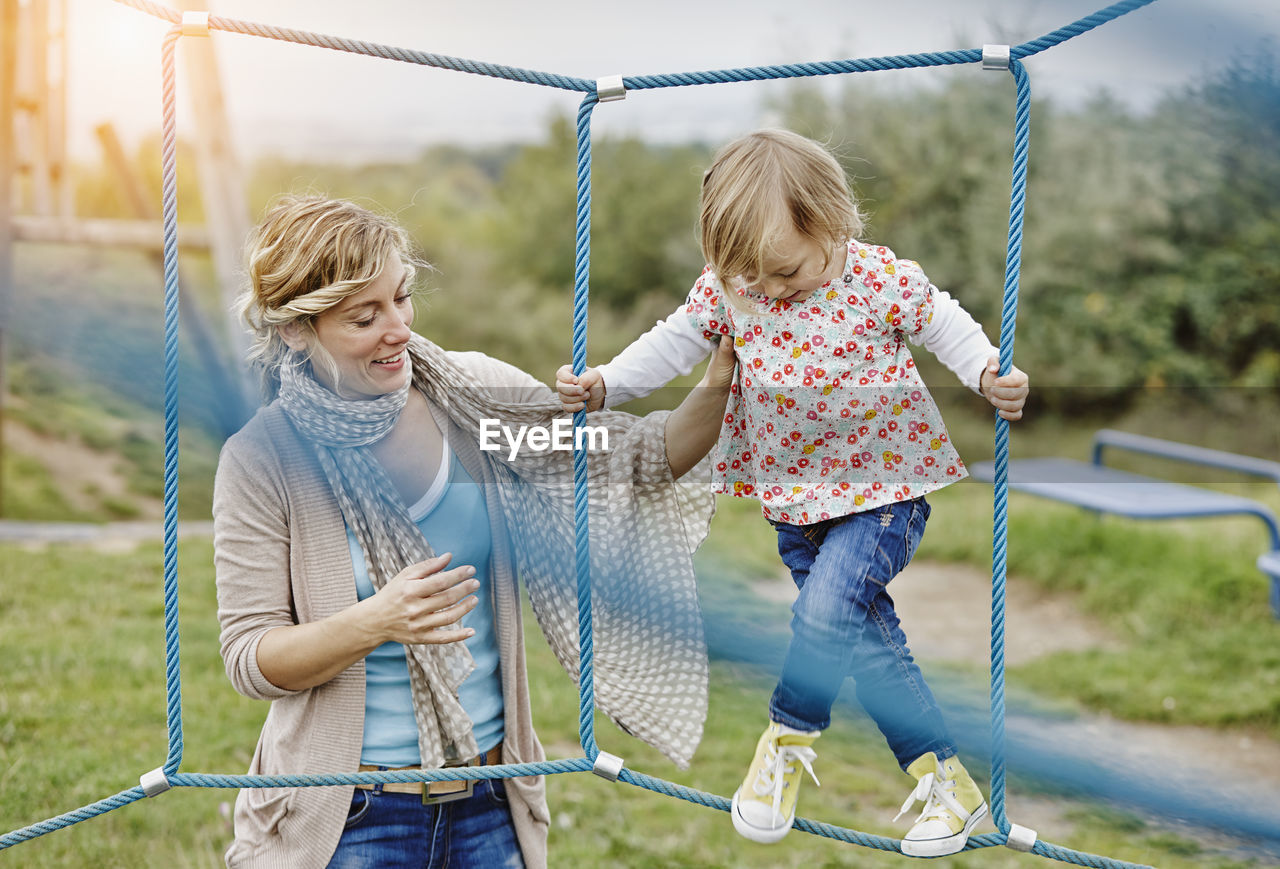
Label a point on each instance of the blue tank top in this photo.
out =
(453, 517)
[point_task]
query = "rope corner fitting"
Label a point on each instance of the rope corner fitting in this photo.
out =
(1021, 838)
(155, 782)
(610, 88)
(996, 57)
(195, 23)
(607, 766)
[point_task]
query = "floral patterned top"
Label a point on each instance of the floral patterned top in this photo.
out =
(829, 415)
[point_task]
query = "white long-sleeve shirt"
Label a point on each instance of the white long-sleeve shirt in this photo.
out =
(828, 415)
(675, 346)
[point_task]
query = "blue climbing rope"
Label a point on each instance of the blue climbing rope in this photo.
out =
(1008, 322)
(1076, 28)
(84, 813)
(582, 258)
(582, 547)
(169, 196)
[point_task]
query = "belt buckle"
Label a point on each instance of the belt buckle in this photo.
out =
(469, 786)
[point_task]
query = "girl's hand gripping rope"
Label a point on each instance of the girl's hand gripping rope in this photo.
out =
(584, 391)
(1007, 394)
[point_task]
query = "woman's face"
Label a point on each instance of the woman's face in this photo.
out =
(367, 334)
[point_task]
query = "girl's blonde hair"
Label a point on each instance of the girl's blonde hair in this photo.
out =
(306, 256)
(761, 185)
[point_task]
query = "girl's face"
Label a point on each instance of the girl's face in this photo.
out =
(796, 267)
(367, 334)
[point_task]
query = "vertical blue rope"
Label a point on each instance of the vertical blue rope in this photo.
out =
(582, 550)
(1000, 521)
(169, 188)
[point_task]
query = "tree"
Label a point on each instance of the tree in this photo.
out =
(1150, 252)
(643, 214)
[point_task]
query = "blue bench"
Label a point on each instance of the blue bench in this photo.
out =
(1095, 486)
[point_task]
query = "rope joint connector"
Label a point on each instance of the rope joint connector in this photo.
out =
(607, 766)
(1021, 838)
(996, 57)
(195, 23)
(610, 88)
(155, 782)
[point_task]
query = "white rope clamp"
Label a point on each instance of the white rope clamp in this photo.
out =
(195, 23)
(607, 766)
(610, 88)
(1021, 838)
(995, 57)
(155, 782)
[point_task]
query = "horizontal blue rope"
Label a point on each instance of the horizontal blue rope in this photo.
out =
(644, 82)
(802, 70)
(101, 807)
(374, 49)
(1074, 29)
(1081, 858)
(451, 773)
(817, 828)
(403, 55)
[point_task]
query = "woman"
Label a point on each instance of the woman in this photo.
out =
(368, 544)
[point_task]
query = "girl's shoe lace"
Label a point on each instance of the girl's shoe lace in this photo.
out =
(936, 794)
(779, 763)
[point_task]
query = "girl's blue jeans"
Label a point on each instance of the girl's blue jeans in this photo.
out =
(397, 830)
(843, 624)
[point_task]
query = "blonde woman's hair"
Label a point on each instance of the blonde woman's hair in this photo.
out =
(761, 185)
(306, 256)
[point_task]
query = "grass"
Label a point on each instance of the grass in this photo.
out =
(30, 492)
(1198, 644)
(1188, 608)
(82, 715)
(82, 706)
(53, 402)
(87, 368)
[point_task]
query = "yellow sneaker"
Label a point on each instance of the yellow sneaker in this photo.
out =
(953, 806)
(764, 807)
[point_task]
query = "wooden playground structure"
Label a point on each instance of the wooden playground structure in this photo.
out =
(37, 188)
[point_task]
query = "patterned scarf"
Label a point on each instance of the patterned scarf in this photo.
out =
(342, 431)
(650, 658)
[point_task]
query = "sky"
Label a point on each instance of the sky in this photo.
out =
(306, 102)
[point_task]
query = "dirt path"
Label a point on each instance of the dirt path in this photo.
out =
(84, 476)
(104, 537)
(946, 609)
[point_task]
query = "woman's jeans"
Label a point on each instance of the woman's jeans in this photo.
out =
(397, 830)
(843, 624)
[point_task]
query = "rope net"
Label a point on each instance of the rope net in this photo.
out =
(168, 775)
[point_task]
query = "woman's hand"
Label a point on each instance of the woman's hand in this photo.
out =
(420, 602)
(719, 373)
(694, 426)
(1007, 394)
(419, 605)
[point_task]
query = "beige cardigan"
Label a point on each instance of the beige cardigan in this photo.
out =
(281, 554)
(282, 558)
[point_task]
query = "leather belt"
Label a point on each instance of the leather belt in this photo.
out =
(434, 791)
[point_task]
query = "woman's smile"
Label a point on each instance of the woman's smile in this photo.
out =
(391, 362)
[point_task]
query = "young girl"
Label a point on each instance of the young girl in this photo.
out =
(831, 428)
